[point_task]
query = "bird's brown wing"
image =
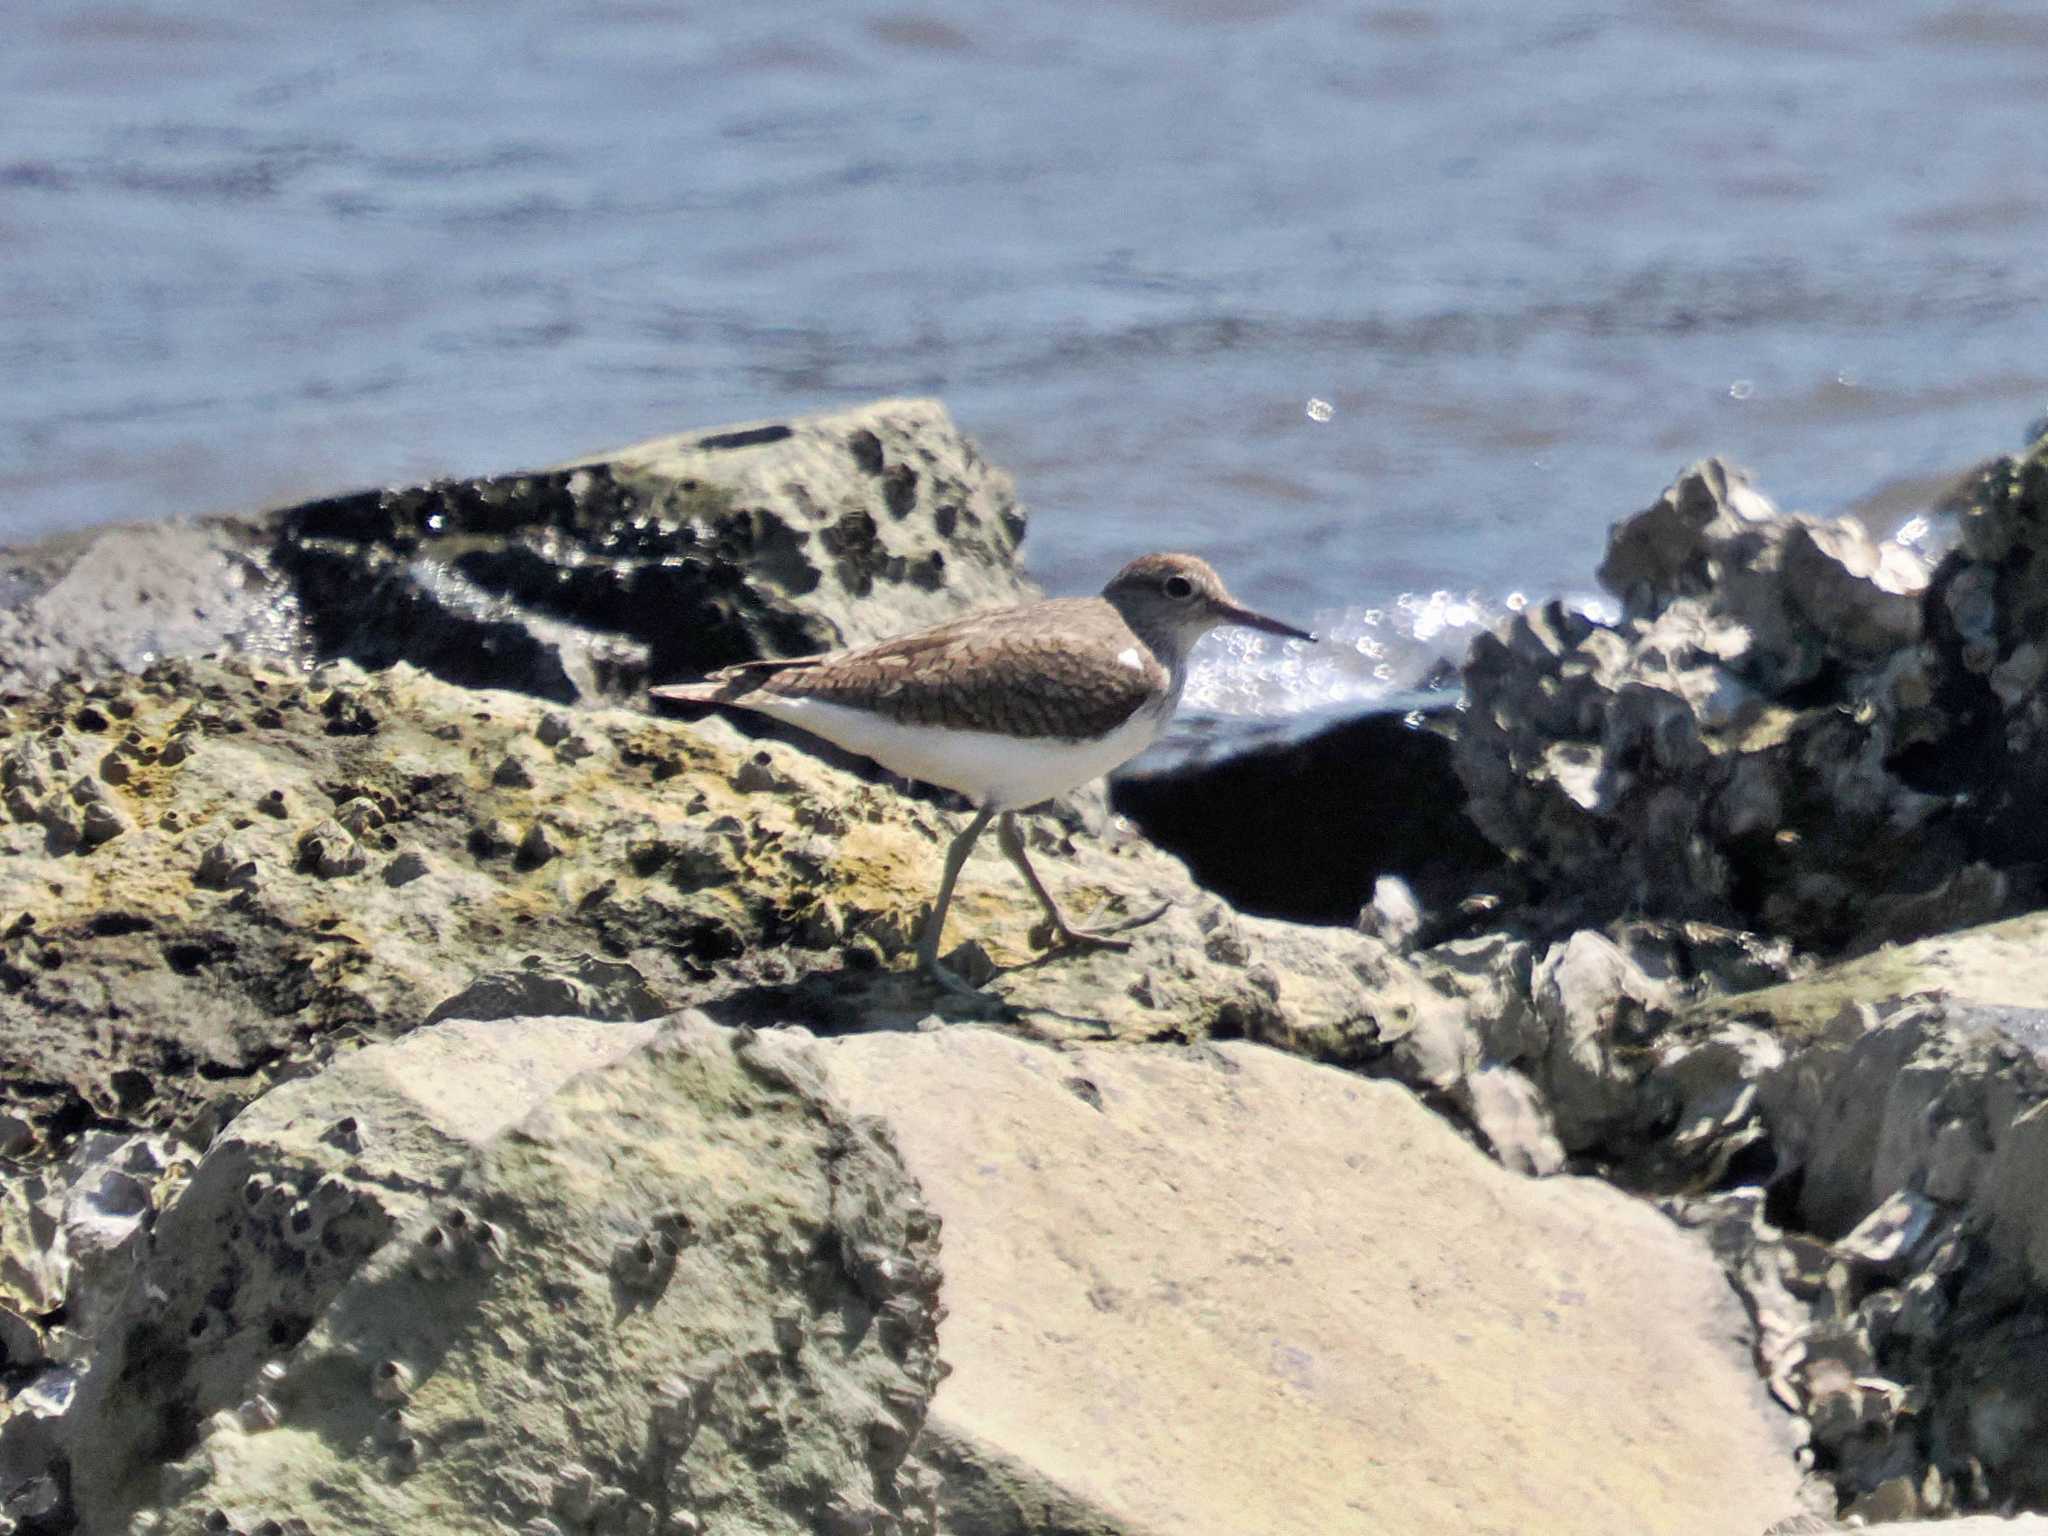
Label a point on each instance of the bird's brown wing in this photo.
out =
(1064, 668)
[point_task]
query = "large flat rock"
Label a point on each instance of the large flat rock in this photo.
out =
(1223, 1290)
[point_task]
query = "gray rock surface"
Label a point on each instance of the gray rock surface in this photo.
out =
(120, 598)
(1223, 1290)
(1896, 1264)
(668, 1276)
(1790, 728)
(610, 1276)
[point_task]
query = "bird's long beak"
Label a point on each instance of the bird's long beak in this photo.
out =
(1233, 614)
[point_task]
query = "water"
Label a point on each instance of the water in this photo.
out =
(1389, 309)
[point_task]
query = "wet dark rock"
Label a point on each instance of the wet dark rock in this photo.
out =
(1305, 827)
(665, 560)
(660, 561)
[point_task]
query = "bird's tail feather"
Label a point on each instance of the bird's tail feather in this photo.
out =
(729, 685)
(688, 693)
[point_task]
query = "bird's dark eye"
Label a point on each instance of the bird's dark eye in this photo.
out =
(1178, 587)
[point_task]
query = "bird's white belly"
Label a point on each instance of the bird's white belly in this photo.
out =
(1007, 772)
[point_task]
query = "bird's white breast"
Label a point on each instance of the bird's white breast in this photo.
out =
(1006, 772)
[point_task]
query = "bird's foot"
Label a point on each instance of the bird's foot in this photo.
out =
(1057, 933)
(952, 984)
(977, 961)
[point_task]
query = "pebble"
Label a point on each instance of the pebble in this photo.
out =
(223, 866)
(493, 837)
(758, 774)
(512, 774)
(16, 1135)
(101, 823)
(359, 815)
(539, 845)
(329, 852)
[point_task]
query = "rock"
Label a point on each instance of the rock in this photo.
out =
(1900, 1103)
(73, 1237)
(1517, 1123)
(663, 560)
(328, 851)
(511, 773)
(1190, 1273)
(585, 988)
(320, 1326)
(116, 599)
(17, 1136)
(801, 901)
(1595, 1003)
(1259, 825)
(1392, 916)
(225, 867)
(1775, 735)
(539, 845)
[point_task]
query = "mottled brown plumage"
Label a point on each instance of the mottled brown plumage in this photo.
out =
(1068, 667)
(1010, 706)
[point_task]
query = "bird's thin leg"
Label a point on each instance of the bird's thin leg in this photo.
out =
(1011, 836)
(928, 941)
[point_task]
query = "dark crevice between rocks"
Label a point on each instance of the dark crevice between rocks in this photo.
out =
(1303, 829)
(753, 437)
(854, 999)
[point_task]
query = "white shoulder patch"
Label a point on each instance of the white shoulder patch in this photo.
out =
(1129, 657)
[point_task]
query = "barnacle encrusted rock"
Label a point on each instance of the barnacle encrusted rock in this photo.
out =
(213, 948)
(292, 1352)
(1791, 727)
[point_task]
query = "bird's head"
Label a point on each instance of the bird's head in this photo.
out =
(1180, 599)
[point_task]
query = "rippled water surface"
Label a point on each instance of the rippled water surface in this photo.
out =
(1529, 258)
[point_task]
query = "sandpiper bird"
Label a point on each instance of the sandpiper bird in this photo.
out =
(1009, 707)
